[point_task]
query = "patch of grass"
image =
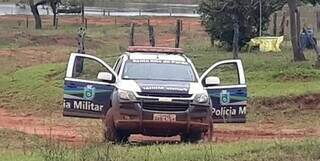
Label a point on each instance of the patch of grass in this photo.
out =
(33, 87)
(304, 150)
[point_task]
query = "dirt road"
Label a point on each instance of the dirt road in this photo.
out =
(71, 133)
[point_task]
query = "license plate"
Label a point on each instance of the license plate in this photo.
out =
(164, 117)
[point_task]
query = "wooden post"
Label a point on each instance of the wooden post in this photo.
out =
(151, 35)
(235, 43)
(282, 24)
(82, 12)
(178, 32)
(57, 22)
(115, 20)
(104, 12)
(148, 22)
(27, 21)
(131, 35)
(181, 25)
(318, 19)
(140, 12)
(86, 23)
(275, 19)
(170, 12)
(108, 13)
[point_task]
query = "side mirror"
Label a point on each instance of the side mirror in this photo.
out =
(212, 81)
(105, 76)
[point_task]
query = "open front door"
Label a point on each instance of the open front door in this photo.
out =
(88, 86)
(226, 86)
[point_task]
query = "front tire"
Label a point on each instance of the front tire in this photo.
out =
(111, 134)
(194, 137)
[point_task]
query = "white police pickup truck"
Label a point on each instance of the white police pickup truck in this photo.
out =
(154, 91)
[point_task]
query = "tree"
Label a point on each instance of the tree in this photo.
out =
(220, 16)
(295, 31)
(295, 27)
(54, 6)
(35, 12)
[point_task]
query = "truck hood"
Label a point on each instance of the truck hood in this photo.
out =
(155, 86)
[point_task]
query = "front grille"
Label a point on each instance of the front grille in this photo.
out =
(176, 95)
(160, 106)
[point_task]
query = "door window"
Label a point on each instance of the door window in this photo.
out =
(87, 69)
(227, 73)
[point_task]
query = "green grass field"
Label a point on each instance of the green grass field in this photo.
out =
(268, 74)
(21, 147)
(31, 80)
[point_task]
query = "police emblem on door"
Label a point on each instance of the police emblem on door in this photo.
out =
(89, 92)
(224, 97)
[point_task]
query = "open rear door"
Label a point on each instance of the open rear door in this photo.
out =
(88, 86)
(226, 86)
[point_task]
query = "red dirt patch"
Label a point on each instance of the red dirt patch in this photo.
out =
(31, 125)
(71, 134)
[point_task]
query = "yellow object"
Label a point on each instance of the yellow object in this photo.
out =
(267, 44)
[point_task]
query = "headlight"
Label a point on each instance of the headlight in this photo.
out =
(126, 95)
(201, 98)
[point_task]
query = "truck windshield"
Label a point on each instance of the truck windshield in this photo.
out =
(159, 70)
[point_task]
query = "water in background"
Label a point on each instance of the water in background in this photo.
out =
(115, 9)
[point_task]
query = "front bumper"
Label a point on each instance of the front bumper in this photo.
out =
(137, 117)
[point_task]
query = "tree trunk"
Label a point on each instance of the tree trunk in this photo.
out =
(298, 54)
(53, 6)
(36, 15)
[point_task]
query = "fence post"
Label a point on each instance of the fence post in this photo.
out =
(318, 19)
(181, 25)
(57, 22)
(115, 20)
(140, 12)
(275, 19)
(170, 12)
(104, 12)
(151, 35)
(131, 35)
(86, 23)
(178, 32)
(27, 21)
(82, 12)
(282, 24)
(235, 40)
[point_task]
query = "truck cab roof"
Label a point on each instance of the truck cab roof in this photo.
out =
(155, 53)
